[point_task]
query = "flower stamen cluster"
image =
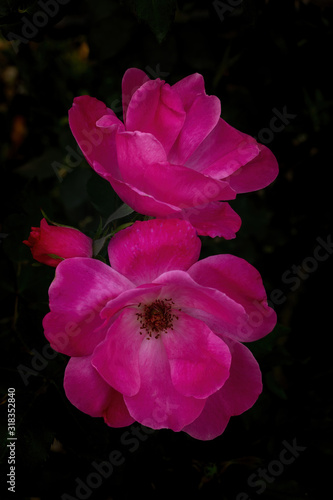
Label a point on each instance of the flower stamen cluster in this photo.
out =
(156, 317)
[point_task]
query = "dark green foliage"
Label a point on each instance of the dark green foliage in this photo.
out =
(158, 14)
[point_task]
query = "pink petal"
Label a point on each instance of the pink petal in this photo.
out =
(203, 113)
(131, 298)
(214, 219)
(96, 142)
(189, 88)
(116, 414)
(158, 404)
(221, 313)
(109, 121)
(238, 394)
(133, 79)
(81, 288)
(212, 423)
(85, 388)
(156, 109)
(116, 359)
(223, 151)
(257, 174)
(244, 385)
(199, 359)
(147, 249)
(136, 150)
(138, 200)
(201, 119)
(242, 283)
(89, 393)
(142, 163)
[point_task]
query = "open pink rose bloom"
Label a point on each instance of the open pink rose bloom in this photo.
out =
(173, 156)
(156, 336)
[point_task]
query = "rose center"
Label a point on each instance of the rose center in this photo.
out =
(156, 318)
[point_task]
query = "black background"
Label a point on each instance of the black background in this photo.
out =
(259, 57)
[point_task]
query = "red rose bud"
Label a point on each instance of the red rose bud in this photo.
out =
(52, 244)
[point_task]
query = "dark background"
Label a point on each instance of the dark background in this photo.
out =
(259, 57)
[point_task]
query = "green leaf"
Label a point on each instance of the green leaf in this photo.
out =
(99, 244)
(121, 212)
(158, 14)
(111, 29)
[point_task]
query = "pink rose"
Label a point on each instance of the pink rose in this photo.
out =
(51, 244)
(173, 156)
(156, 337)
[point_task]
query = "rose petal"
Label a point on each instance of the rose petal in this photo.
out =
(223, 151)
(136, 150)
(133, 79)
(244, 384)
(147, 249)
(189, 88)
(142, 163)
(116, 414)
(212, 423)
(220, 312)
(238, 394)
(201, 118)
(96, 143)
(241, 282)
(214, 219)
(131, 298)
(257, 174)
(91, 394)
(157, 109)
(109, 121)
(138, 200)
(199, 359)
(81, 288)
(116, 359)
(85, 388)
(158, 404)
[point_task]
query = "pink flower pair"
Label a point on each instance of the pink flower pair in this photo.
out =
(157, 336)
